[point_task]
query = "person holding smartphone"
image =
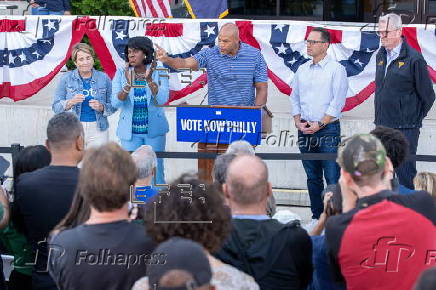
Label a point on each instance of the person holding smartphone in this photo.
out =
(139, 91)
(86, 92)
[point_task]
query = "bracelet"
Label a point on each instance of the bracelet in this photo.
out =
(125, 90)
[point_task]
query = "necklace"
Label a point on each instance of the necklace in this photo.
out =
(140, 76)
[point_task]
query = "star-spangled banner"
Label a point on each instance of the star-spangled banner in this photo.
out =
(33, 49)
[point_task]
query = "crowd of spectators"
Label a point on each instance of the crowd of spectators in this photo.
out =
(104, 225)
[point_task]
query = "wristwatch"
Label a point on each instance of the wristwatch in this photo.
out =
(321, 124)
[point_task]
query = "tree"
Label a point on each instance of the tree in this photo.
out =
(102, 7)
(95, 8)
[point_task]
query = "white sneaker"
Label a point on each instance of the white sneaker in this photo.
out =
(310, 225)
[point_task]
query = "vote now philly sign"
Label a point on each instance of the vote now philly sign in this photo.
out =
(218, 125)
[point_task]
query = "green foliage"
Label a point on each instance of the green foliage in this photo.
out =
(102, 7)
(95, 8)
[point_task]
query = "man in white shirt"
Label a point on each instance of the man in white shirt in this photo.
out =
(319, 91)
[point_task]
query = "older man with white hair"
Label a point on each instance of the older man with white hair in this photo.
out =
(240, 147)
(404, 92)
(146, 162)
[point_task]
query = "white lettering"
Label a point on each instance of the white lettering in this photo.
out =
(221, 125)
(253, 126)
(183, 123)
(190, 125)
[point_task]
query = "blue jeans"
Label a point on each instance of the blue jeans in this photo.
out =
(325, 140)
(157, 143)
(45, 11)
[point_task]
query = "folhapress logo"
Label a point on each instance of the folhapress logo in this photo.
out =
(388, 254)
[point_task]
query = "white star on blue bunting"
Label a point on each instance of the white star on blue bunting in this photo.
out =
(291, 58)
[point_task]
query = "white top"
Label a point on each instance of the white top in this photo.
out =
(319, 89)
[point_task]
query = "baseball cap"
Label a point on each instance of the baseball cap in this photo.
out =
(362, 154)
(181, 254)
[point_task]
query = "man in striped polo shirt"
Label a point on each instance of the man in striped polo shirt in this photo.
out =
(236, 72)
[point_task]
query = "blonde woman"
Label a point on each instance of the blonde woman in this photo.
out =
(426, 181)
(87, 93)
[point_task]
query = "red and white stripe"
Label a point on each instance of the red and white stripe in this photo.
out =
(153, 8)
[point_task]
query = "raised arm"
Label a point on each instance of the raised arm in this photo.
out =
(175, 62)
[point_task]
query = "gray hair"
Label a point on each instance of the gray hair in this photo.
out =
(145, 160)
(220, 166)
(63, 129)
(392, 19)
(247, 179)
(240, 147)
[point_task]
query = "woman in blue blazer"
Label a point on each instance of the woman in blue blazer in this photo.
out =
(142, 119)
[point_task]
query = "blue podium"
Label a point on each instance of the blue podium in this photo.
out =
(214, 127)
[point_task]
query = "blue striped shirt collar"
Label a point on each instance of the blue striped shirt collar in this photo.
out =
(251, 216)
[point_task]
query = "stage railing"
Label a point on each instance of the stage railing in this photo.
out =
(15, 148)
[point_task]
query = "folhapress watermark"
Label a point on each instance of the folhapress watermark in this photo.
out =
(106, 257)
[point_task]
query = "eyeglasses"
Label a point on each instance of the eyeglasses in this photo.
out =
(312, 42)
(384, 33)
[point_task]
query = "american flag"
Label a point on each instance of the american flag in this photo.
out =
(151, 8)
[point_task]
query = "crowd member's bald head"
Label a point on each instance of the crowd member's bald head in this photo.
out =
(247, 181)
(228, 39)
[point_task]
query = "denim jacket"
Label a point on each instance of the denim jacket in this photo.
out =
(157, 121)
(71, 84)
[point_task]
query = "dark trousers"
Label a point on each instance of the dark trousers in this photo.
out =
(19, 281)
(407, 170)
(325, 140)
